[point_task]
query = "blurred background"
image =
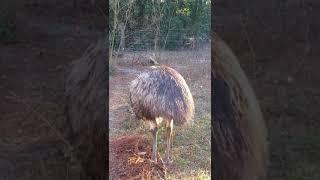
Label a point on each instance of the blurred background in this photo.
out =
(277, 43)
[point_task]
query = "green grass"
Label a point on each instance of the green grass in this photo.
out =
(191, 149)
(195, 175)
(131, 125)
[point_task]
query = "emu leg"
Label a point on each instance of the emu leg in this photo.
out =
(154, 132)
(169, 128)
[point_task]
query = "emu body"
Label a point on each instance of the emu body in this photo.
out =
(239, 130)
(161, 95)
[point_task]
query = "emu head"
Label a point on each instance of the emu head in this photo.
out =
(152, 60)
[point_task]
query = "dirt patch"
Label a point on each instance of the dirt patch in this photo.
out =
(131, 159)
(118, 96)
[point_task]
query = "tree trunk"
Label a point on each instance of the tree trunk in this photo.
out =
(86, 93)
(141, 5)
(123, 37)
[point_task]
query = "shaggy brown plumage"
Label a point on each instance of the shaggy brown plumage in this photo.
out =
(239, 130)
(161, 93)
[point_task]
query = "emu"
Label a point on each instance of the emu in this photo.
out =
(240, 136)
(162, 95)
